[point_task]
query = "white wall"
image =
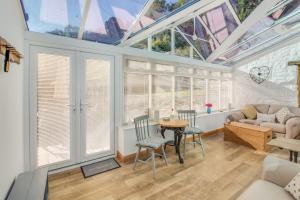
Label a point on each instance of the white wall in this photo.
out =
(279, 88)
(11, 98)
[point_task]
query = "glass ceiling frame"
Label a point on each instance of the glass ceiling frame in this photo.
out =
(260, 11)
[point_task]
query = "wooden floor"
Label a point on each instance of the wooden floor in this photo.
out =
(224, 173)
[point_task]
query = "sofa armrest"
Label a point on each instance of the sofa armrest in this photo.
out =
(279, 171)
(292, 127)
(235, 116)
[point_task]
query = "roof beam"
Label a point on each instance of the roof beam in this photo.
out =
(237, 19)
(253, 18)
(162, 24)
(137, 19)
(84, 18)
(208, 31)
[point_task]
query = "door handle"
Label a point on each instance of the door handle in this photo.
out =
(83, 105)
(73, 106)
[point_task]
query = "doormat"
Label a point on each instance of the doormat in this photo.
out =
(99, 167)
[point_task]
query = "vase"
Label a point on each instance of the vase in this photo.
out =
(208, 110)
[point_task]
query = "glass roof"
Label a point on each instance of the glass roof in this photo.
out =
(196, 28)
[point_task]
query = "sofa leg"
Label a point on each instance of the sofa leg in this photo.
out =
(295, 156)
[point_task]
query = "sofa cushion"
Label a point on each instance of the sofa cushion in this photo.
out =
(249, 111)
(266, 117)
(274, 108)
(236, 116)
(295, 110)
(250, 121)
(283, 115)
(276, 127)
(261, 189)
(262, 108)
(294, 187)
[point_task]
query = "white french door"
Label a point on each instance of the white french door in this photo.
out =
(96, 105)
(71, 107)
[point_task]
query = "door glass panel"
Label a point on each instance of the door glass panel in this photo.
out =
(53, 110)
(97, 105)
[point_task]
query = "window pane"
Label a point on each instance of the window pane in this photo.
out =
(59, 17)
(138, 65)
(197, 35)
(226, 89)
(199, 94)
(108, 20)
(164, 68)
(136, 95)
(244, 8)
(162, 8)
(220, 22)
(182, 47)
(162, 94)
(141, 45)
(182, 93)
(97, 111)
(161, 42)
(213, 93)
(53, 112)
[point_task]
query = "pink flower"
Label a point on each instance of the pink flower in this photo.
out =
(208, 105)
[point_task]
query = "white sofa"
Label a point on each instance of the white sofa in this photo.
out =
(276, 174)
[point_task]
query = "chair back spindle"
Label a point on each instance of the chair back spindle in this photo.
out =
(188, 115)
(142, 127)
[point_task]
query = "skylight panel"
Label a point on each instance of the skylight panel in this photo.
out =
(244, 8)
(160, 9)
(141, 45)
(268, 28)
(107, 21)
(196, 33)
(182, 47)
(59, 17)
(161, 42)
(220, 21)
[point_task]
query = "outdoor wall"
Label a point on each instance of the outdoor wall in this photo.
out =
(11, 98)
(279, 88)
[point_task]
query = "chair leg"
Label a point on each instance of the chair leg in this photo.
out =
(164, 155)
(136, 157)
(153, 163)
(194, 141)
(202, 145)
(184, 144)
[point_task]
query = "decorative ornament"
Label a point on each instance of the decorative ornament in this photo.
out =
(259, 74)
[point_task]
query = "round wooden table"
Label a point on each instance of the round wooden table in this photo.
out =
(177, 126)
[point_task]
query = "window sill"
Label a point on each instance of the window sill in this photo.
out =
(202, 114)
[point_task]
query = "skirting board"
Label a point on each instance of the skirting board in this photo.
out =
(130, 158)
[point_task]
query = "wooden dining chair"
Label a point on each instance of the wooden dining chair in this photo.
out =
(191, 129)
(148, 141)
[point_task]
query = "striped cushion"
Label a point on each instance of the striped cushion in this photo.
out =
(192, 130)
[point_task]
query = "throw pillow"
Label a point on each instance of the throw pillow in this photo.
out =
(294, 187)
(249, 111)
(283, 115)
(266, 117)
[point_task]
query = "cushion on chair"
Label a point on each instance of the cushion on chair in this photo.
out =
(276, 127)
(250, 121)
(283, 115)
(274, 109)
(265, 190)
(152, 142)
(192, 130)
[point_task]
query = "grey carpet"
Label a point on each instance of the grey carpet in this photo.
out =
(99, 167)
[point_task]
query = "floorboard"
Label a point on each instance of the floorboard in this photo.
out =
(224, 173)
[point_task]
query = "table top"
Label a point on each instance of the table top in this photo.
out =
(290, 144)
(249, 126)
(173, 123)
